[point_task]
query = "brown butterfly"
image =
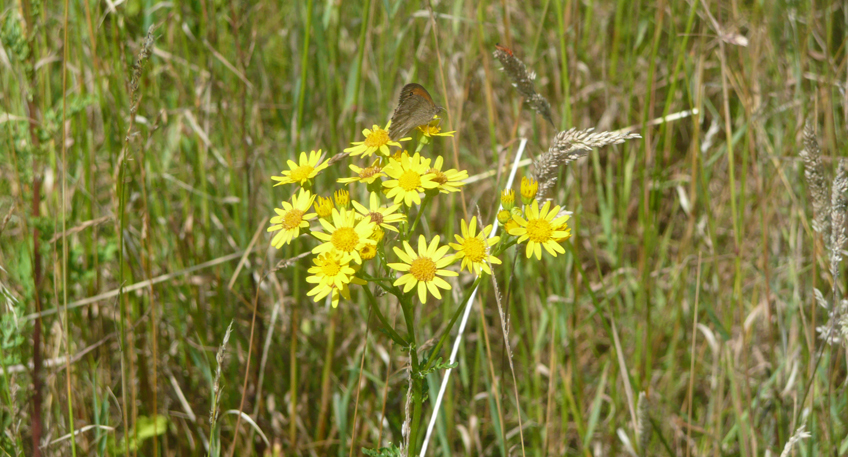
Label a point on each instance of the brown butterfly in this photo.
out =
(415, 107)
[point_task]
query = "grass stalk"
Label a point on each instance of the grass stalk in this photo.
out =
(64, 265)
(304, 64)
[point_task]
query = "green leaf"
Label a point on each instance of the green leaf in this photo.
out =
(145, 428)
(391, 451)
(717, 322)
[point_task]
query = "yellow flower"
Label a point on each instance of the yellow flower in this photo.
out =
(345, 234)
(510, 224)
(423, 268)
(303, 171)
(449, 181)
(324, 207)
(342, 198)
(542, 228)
(529, 187)
(395, 157)
(410, 177)
(367, 175)
(508, 199)
(376, 140)
(380, 215)
(564, 227)
(378, 234)
(473, 248)
(291, 218)
(368, 252)
(433, 128)
(331, 275)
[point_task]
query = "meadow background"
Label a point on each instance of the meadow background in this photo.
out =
(163, 185)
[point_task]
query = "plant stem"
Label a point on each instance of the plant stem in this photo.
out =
(444, 336)
(427, 198)
(304, 62)
(392, 333)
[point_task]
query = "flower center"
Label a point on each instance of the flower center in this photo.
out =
(345, 239)
(474, 249)
(376, 217)
(377, 138)
(368, 172)
(292, 219)
(301, 173)
(440, 178)
(331, 268)
(539, 230)
(423, 269)
(409, 181)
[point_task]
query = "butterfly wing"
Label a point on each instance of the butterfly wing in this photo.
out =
(415, 107)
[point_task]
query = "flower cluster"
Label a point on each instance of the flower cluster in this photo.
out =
(364, 230)
(545, 227)
(398, 185)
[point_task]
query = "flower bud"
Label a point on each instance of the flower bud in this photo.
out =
(323, 207)
(368, 252)
(508, 199)
(529, 187)
(378, 234)
(342, 199)
(504, 216)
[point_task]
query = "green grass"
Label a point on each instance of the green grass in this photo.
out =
(688, 218)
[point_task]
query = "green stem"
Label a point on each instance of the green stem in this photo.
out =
(409, 317)
(427, 198)
(504, 246)
(392, 333)
(416, 413)
(450, 326)
(420, 146)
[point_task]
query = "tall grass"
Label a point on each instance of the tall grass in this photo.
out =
(686, 301)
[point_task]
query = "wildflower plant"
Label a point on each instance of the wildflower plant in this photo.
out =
(366, 237)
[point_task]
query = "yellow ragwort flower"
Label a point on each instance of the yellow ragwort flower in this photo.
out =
(378, 234)
(376, 140)
(323, 207)
(365, 175)
(344, 234)
(448, 181)
(508, 199)
(395, 157)
(306, 169)
(424, 268)
(368, 252)
(410, 177)
(433, 128)
(380, 215)
(342, 198)
(473, 247)
(529, 187)
(542, 228)
(332, 274)
(291, 218)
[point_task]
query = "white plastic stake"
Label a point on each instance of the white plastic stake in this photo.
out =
(464, 321)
